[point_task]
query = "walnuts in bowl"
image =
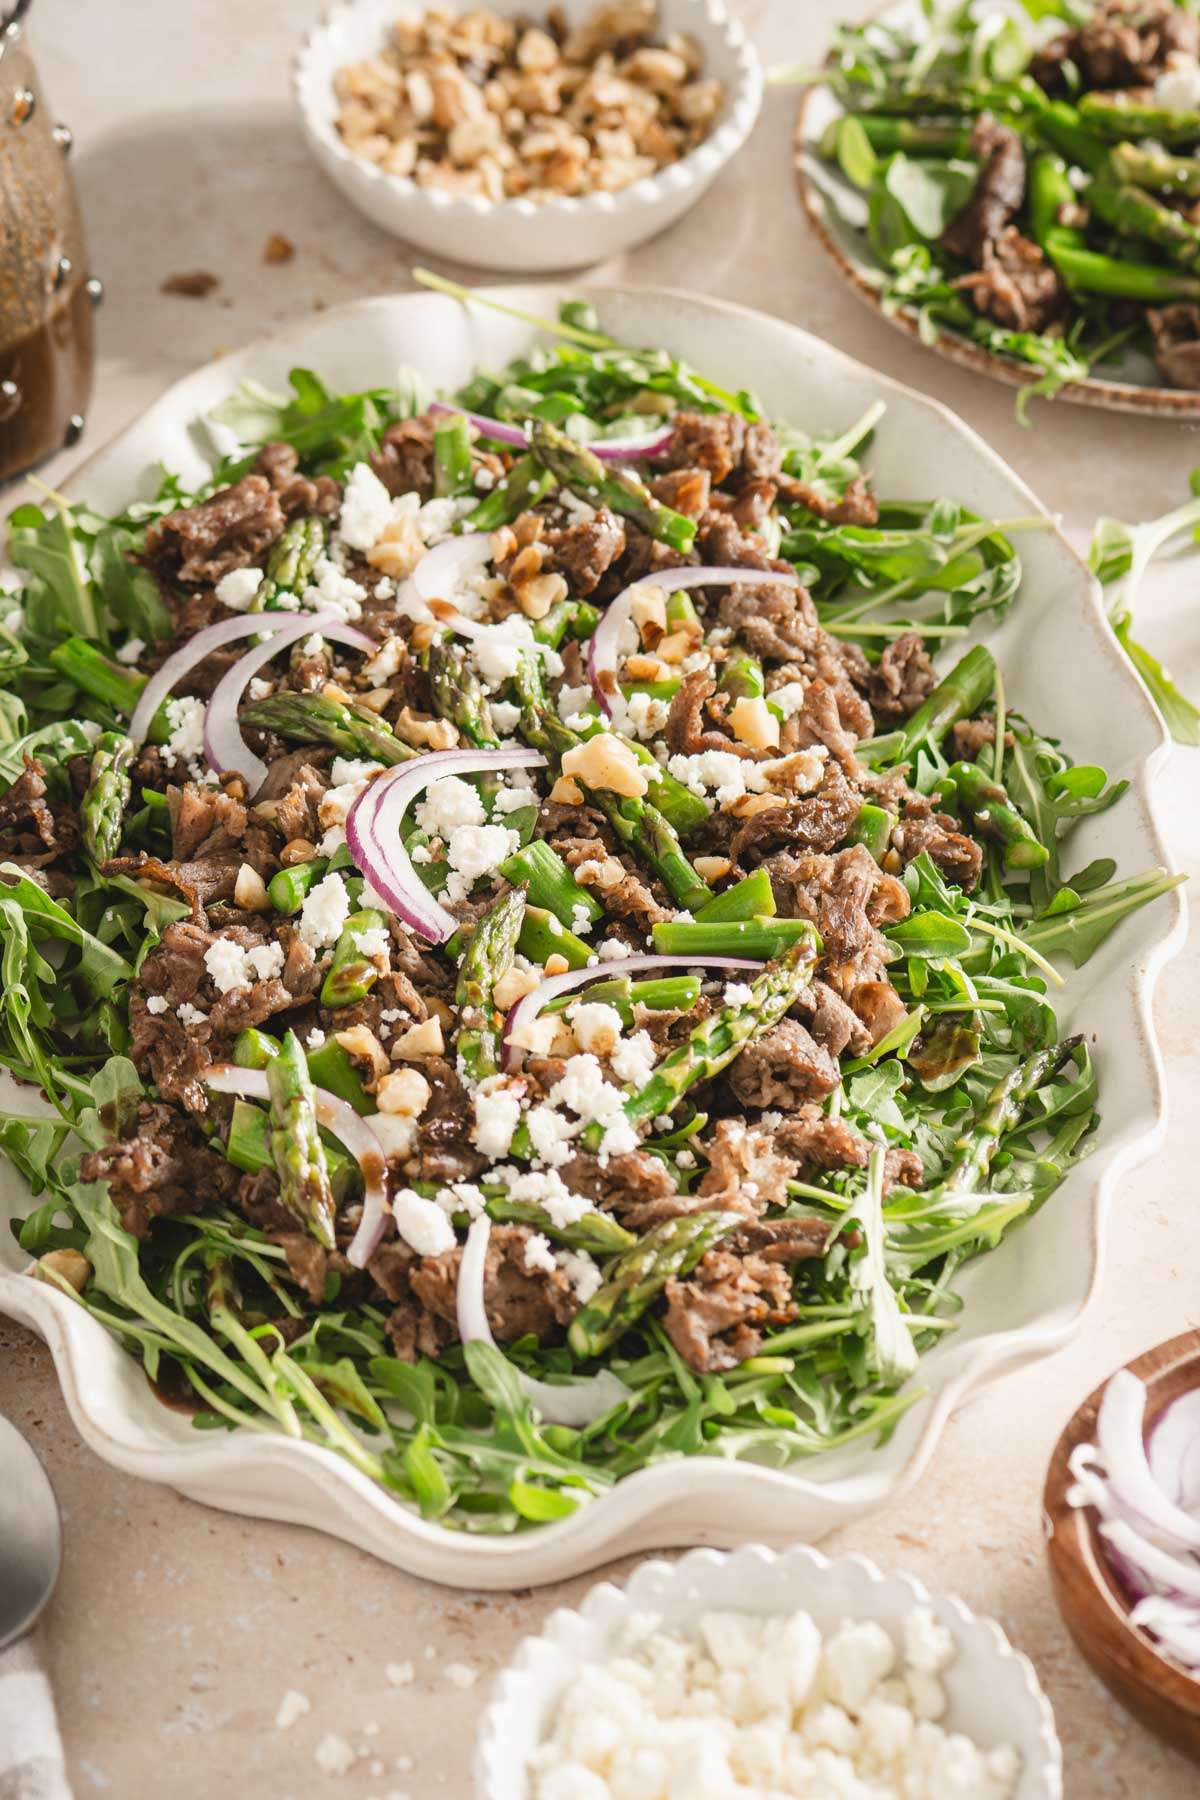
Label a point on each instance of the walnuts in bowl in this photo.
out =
(477, 104)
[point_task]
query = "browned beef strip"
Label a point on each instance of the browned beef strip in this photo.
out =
(818, 1142)
(752, 508)
(747, 1170)
(173, 1056)
(519, 1301)
(636, 896)
(845, 896)
(998, 193)
(783, 1240)
(832, 1023)
(1176, 333)
(857, 505)
(231, 530)
(833, 714)
(722, 543)
(782, 1067)
(175, 968)
(685, 491)
(404, 460)
(198, 883)
(244, 1007)
(712, 441)
(297, 494)
(300, 973)
(584, 553)
(204, 821)
(779, 624)
(686, 731)
(296, 810)
(817, 821)
(445, 1151)
(714, 1319)
(959, 858)
(1125, 43)
(33, 830)
(644, 556)
(1015, 284)
(620, 1183)
(160, 1166)
(903, 677)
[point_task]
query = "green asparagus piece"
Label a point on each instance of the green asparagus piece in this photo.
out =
(254, 1049)
(1090, 272)
(451, 456)
(352, 974)
(758, 938)
(332, 1068)
(742, 678)
(296, 1147)
(1050, 191)
(974, 1151)
(550, 884)
(568, 619)
(104, 680)
(912, 137)
(109, 790)
(249, 1147)
(714, 1043)
(313, 719)
(602, 485)
(458, 694)
(543, 935)
(1124, 115)
(673, 993)
(596, 1232)
(292, 562)
(288, 889)
(1136, 213)
(525, 484)
(962, 692)
(486, 960)
(993, 815)
(682, 614)
(638, 1277)
(751, 898)
(1059, 125)
(639, 823)
(873, 829)
(1147, 166)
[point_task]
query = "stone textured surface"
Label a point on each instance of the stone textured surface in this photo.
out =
(176, 1631)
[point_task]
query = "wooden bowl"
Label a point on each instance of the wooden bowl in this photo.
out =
(1092, 1602)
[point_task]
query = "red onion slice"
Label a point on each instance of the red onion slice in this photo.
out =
(441, 569)
(1119, 1434)
(177, 665)
(615, 449)
(576, 1404)
(1173, 1450)
(605, 643)
(224, 746)
(530, 1005)
(373, 832)
(348, 1127)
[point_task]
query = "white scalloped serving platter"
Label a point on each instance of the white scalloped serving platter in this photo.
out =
(992, 1690)
(1023, 1301)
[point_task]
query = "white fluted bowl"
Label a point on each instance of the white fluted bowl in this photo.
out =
(524, 236)
(993, 1690)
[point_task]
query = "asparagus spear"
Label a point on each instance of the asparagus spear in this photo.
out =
(291, 563)
(110, 786)
(1121, 115)
(248, 1147)
(331, 1068)
(486, 959)
(742, 677)
(993, 814)
(763, 938)
(296, 1148)
(254, 1049)
(1136, 213)
(568, 618)
(314, 719)
(974, 1151)
(451, 455)
(714, 1043)
(1156, 169)
(961, 693)
(543, 935)
(637, 822)
(458, 694)
(352, 974)
(288, 888)
(1050, 191)
(873, 829)
(582, 471)
(1091, 272)
(525, 484)
(639, 1276)
(751, 898)
(912, 137)
(104, 680)
(550, 884)
(1059, 125)
(596, 1232)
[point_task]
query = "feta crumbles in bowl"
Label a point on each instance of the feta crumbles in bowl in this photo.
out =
(751, 1674)
(521, 139)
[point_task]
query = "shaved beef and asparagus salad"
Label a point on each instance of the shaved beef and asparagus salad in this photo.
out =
(535, 969)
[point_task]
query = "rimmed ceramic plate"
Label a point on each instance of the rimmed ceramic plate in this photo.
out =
(1025, 1299)
(838, 216)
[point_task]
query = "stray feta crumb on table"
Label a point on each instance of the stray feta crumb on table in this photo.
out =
(751, 1708)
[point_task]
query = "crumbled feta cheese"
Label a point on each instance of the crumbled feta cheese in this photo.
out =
(550, 1134)
(386, 661)
(597, 1027)
(315, 1038)
(788, 698)
(1178, 88)
(348, 769)
(547, 1189)
(237, 589)
(738, 993)
(473, 851)
(185, 723)
(156, 1003)
(538, 1254)
(397, 1134)
(226, 965)
(461, 1675)
(515, 797)
(366, 509)
(505, 717)
(187, 1014)
(613, 949)
(645, 715)
(131, 650)
(422, 1224)
(497, 653)
(448, 803)
(375, 942)
(265, 960)
(293, 1706)
(581, 1271)
(331, 591)
(437, 519)
(633, 1060)
(573, 700)
(260, 687)
(334, 1756)
(497, 1113)
(462, 1197)
(324, 912)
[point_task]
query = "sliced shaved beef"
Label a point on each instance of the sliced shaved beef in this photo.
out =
(819, 1142)
(845, 896)
(404, 460)
(297, 808)
(782, 1067)
(817, 821)
(175, 968)
(197, 883)
(751, 510)
(445, 1151)
(158, 1167)
(35, 832)
(783, 1240)
(832, 714)
(715, 442)
(879, 1007)
(722, 543)
(856, 505)
(297, 494)
(204, 821)
(686, 491)
(903, 677)
(622, 1184)
(1015, 284)
(835, 1026)
(686, 730)
(413, 1332)
(998, 193)
(1176, 333)
(1125, 43)
(172, 1055)
(644, 556)
(631, 896)
(519, 1301)
(959, 858)
(244, 1007)
(715, 1318)
(970, 736)
(747, 1171)
(585, 552)
(229, 531)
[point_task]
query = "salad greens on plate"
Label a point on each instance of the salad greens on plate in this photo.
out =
(534, 970)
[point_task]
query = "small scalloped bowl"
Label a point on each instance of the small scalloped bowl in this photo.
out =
(524, 236)
(993, 1691)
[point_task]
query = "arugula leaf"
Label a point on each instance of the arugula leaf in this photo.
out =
(130, 594)
(57, 597)
(895, 1351)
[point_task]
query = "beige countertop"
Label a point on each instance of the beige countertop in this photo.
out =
(176, 1630)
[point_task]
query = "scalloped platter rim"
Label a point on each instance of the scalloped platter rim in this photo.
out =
(1025, 1299)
